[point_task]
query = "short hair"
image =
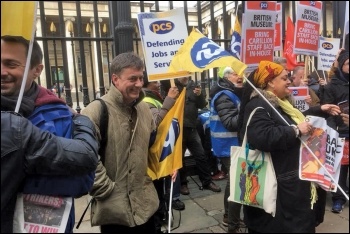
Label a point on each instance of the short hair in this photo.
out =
(296, 69)
(37, 53)
(126, 60)
(227, 71)
(279, 60)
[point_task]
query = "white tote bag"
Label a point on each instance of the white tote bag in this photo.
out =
(252, 177)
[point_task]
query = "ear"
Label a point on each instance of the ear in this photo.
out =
(38, 69)
(114, 79)
(271, 84)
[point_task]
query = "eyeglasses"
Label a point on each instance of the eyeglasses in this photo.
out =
(11, 64)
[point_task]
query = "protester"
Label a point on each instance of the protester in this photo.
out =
(124, 197)
(27, 150)
(195, 100)
(268, 132)
(336, 91)
(45, 110)
(224, 127)
(159, 109)
(298, 80)
(281, 61)
(345, 118)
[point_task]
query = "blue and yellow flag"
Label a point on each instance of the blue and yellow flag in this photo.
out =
(199, 53)
(165, 154)
(18, 18)
(236, 40)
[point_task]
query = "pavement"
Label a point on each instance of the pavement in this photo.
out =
(204, 213)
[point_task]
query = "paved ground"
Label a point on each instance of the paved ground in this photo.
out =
(204, 211)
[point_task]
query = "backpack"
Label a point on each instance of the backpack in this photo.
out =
(102, 149)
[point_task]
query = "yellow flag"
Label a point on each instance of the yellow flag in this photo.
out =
(18, 18)
(236, 40)
(165, 154)
(198, 54)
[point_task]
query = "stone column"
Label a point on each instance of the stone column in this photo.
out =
(40, 34)
(69, 20)
(94, 48)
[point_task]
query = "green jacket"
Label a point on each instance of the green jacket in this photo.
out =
(123, 192)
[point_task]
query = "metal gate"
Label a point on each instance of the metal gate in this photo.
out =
(80, 39)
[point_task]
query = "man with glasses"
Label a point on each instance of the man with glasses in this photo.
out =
(124, 197)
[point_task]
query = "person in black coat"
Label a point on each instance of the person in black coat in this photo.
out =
(25, 149)
(268, 132)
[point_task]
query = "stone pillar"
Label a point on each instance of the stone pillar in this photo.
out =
(94, 48)
(40, 34)
(70, 54)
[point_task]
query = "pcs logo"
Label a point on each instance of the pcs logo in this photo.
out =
(263, 5)
(171, 138)
(295, 92)
(312, 3)
(327, 46)
(162, 27)
(205, 51)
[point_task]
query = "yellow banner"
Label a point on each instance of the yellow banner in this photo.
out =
(198, 54)
(165, 154)
(18, 18)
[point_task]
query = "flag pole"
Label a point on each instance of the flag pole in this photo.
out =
(29, 55)
(170, 204)
(306, 146)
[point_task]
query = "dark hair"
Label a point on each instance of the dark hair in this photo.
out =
(126, 60)
(247, 91)
(37, 53)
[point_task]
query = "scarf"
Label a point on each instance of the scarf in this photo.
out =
(8, 103)
(266, 72)
(288, 108)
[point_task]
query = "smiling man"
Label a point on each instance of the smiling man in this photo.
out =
(124, 197)
(45, 110)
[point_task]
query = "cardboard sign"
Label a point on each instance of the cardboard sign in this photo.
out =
(278, 27)
(299, 94)
(327, 52)
(162, 34)
(259, 37)
(307, 27)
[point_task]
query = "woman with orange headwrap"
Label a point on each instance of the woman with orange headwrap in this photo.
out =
(268, 132)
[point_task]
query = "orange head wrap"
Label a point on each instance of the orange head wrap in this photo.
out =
(266, 72)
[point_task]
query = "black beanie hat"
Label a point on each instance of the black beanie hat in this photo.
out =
(343, 56)
(145, 79)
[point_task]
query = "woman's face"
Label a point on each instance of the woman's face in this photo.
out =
(279, 85)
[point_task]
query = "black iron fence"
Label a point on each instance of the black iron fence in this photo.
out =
(80, 38)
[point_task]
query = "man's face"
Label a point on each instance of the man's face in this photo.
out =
(154, 86)
(13, 61)
(129, 82)
(184, 80)
(298, 78)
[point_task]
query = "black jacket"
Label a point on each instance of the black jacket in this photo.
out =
(25, 149)
(335, 91)
(192, 103)
(227, 110)
(269, 133)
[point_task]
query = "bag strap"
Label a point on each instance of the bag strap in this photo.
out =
(103, 129)
(102, 150)
(250, 117)
(246, 145)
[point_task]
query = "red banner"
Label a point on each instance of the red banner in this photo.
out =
(288, 46)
